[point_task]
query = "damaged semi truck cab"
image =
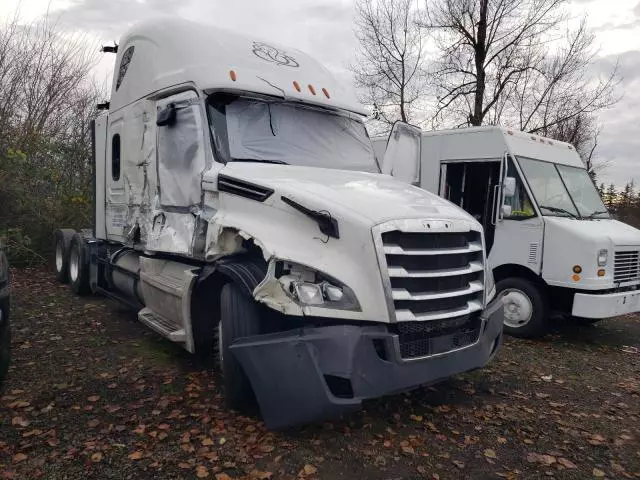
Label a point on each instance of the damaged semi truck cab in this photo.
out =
(240, 210)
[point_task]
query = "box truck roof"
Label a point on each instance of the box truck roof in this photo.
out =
(490, 142)
(164, 52)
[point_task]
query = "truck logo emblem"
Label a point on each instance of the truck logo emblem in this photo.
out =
(272, 54)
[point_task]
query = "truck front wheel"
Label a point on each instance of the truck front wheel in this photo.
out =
(526, 308)
(239, 317)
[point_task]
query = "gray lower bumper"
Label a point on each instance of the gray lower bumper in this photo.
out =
(287, 370)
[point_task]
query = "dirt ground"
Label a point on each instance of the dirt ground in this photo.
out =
(93, 394)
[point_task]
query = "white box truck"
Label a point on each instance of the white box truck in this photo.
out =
(232, 212)
(552, 244)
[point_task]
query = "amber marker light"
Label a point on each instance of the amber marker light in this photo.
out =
(232, 75)
(296, 85)
(576, 278)
(326, 93)
(577, 269)
(602, 272)
(312, 90)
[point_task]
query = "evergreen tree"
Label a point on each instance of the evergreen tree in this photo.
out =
(610, 197)
(601, 190)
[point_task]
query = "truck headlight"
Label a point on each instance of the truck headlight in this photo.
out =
(310, 287)
(602, 257)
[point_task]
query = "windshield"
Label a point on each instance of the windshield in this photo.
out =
(274, 131)
(583, 192)
(561, 190)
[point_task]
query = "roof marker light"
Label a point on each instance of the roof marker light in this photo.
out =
(232, 75)
(533, 138)
(312, 90)
(296, 85)
(326, 93)
(570, 147)
(510, 132)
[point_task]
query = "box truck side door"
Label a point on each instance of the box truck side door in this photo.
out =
(519, 228)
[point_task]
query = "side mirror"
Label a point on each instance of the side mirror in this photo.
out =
(403, 154)
(506, 210)
(167, 116)
(509, 187)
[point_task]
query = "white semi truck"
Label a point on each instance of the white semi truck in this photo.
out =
(552, 244)
(240, 210)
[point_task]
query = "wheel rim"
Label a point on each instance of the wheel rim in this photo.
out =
(59, 257)
(74, 264)
(518, 308)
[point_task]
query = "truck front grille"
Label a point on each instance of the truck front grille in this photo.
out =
(434, 276)
(421, 339)
(626, 266)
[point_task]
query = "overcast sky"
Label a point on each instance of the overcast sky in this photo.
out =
(324, 29)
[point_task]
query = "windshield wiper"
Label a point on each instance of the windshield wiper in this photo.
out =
(257, 160)
(593, 215)
(560, 210)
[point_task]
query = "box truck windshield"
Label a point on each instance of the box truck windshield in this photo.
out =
(262, 130)
(561, 190)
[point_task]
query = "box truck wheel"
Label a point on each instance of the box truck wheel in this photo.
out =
(79, 265)
(526, 307)
(5, 340)
(61, 246)
(238, 318)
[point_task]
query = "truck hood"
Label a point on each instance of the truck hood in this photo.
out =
(605, 231)
(375, 197)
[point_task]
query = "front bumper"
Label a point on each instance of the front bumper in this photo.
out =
(288, 370)
(605, 306)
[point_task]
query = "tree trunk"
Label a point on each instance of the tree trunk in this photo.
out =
(480, 57)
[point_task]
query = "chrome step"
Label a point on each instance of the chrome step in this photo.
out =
(161, 325)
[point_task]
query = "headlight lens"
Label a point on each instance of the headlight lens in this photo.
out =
(602, 257)
(310, 287)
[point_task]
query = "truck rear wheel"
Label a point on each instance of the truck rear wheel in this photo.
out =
(79, 265)
(239, 317)
(61, 246)
(526, 308)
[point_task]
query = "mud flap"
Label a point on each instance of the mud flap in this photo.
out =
(287, 380)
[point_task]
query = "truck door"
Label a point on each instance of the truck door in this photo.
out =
(519, 228)
(180, 162)
(403, 153)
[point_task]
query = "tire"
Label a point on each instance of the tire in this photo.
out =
(5, 340)
(79, 266)
(526, 308)
(61, 246)
(239, 317)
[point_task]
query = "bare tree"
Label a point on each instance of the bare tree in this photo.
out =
(389, 66)
(512, 62)
(47, 98)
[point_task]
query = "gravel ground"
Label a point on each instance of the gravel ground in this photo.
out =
(93, 394)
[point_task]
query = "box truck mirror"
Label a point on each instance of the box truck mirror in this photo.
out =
(167, 116)
(509, 187)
